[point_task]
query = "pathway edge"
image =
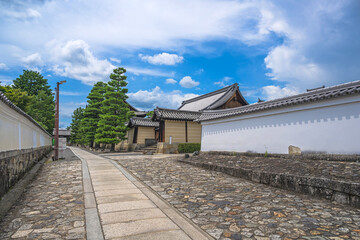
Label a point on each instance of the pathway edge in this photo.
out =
(92, 219)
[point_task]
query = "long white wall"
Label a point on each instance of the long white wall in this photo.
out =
(18, 132)
(331, 126)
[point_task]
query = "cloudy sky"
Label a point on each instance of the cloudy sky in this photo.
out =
(175, 50)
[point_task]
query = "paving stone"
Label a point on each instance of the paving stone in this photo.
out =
(126, 216)
(116, 192)
(164, 235)
(123, 206)
(138, 227)
(21, 233)
(217, 202)
(114, 186)
(50, 206)
(121, 198)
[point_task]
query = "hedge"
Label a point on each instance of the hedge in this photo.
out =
(188, 147)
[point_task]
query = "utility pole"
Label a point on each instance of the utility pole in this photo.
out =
(56, 147)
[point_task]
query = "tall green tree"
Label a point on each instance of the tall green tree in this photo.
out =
(41, 104)
(42, 109)
(92, 112)
(18, 97)
(76, 133)
(32, 82)
(114, 111)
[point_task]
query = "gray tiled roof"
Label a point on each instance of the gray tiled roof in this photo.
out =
(142, 122)
(312, 96)
(164, 113)
(5, 100)
(211, 100)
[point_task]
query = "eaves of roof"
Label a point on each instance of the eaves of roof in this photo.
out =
(313, 96)
(172, 114)
(223, 99)
(142, 122)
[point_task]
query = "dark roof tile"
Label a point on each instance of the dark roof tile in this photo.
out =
(315, 95)
(142, 122)
(164, 113)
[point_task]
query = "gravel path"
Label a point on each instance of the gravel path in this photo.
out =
(233, 208)
(51, 206)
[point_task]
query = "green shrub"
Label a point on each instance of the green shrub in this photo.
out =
(188, 147)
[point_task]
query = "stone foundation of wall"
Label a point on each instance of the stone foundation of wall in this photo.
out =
(339, 191)
(15, 163)
(167, 148)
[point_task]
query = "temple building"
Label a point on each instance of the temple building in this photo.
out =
(178, 126)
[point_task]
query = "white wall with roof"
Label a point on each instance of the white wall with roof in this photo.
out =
(18, 132)
(331, 126)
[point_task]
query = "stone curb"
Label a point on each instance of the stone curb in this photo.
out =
(343, 192)
(12, 196)
(185, 224)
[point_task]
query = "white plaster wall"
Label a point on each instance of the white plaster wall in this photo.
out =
(329, 126)
(18, 132)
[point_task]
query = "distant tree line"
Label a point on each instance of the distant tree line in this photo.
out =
(103, 120)
(32, 94)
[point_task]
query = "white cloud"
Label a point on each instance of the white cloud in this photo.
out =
(187, 82)
(317, 46)
(75, 60)
(162, 59)
(170, 81)
(3, 66)
(149, 100)
(24, 14)
(200, 71)
(273, 92)
(223, 82)
(289, 65)
(115, 60)
(140, 25)
(314, 40)
(32, 60)
(150, 72)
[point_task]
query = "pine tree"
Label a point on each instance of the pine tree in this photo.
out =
(32, 82)
(114, 111)
(92, 112)
(75, 126)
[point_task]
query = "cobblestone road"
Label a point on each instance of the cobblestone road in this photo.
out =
(232, 208)
(51, 206)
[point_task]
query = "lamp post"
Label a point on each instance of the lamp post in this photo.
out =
(56, 147)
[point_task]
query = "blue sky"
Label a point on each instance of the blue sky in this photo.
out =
(175, 50)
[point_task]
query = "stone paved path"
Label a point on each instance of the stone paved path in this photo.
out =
(233, 208)
(51, 207)
(126, 208)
